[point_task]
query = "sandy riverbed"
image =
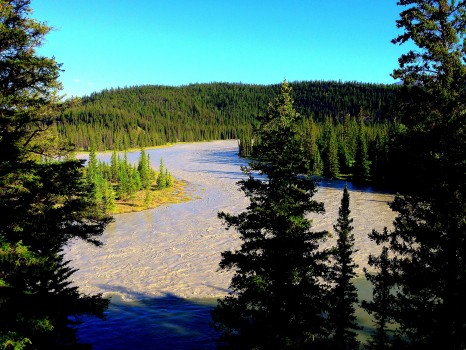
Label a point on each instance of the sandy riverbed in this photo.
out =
(176, 249)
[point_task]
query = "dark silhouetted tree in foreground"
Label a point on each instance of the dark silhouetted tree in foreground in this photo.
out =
(343, 296)
(426, 264)
(278, 298)
(44, 203)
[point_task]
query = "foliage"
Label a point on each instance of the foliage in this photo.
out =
(361, 169)
(343, 296)
(330, 152)
(45, 203)
(381, 305)
(121, 181)
(143, 116)
(426, 264)
(278, 300)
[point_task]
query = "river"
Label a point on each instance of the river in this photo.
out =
(160, 266)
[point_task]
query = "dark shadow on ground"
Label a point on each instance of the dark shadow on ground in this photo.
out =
(165, 322)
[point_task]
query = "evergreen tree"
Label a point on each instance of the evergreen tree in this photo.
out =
(43, 205)
(427, 261)
(381, 305)
(144, 169)
(361, 167)
(331, 165)
(109, 197)
(310, 138)
(114, 166)
(343, 296)
(169, 179)
(318, 164)
(92, 166)
(278, 299)
(245, 146)
(162, 177)
(147, 197)
(135, 183)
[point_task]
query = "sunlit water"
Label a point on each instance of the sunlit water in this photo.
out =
(160, 266)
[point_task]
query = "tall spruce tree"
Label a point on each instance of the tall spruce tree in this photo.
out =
(278, 297)
(144, 169)
(330, 154)
(427, 260)
(381, 305)
(343, 296)
(361, 166)
(162, 177)
(43, 204)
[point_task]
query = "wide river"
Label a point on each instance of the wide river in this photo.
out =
(160, 266)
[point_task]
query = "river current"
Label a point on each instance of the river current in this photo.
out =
(160, 266)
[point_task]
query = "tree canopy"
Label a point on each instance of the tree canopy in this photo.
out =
(44, 200)
(278, 300)
(425, 264)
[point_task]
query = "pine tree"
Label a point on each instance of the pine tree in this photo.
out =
(123, 179)
(361, 167)
(114, 166)
(92, 166)
(427, 261)
(382, 301)
(331, 166)
(162, 177)
(135, 183)
(277, 300)
(144, 169)
(343, 296)
(109, 198)
(315, 161)
(318, 164)
(43, 204)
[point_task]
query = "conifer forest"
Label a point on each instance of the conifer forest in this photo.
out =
(286, 291)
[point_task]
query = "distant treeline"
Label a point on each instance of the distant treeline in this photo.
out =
(146, 116)
(353, 148)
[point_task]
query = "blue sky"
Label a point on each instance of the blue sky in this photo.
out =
(117, 43)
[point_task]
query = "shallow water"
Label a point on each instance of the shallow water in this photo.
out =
(158, 263)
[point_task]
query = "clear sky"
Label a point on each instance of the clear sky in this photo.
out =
(117, 43)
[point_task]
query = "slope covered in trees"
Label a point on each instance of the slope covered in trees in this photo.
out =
(152, 115)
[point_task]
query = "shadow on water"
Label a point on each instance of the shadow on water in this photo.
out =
(164, 322)
(171, 322)
(340, 184)
(222, 157)
(235, 175)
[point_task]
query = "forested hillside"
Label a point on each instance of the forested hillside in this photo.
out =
(153, 115)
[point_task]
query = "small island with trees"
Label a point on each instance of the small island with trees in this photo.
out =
(120, 187)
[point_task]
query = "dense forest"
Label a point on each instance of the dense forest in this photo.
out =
(145, 116)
